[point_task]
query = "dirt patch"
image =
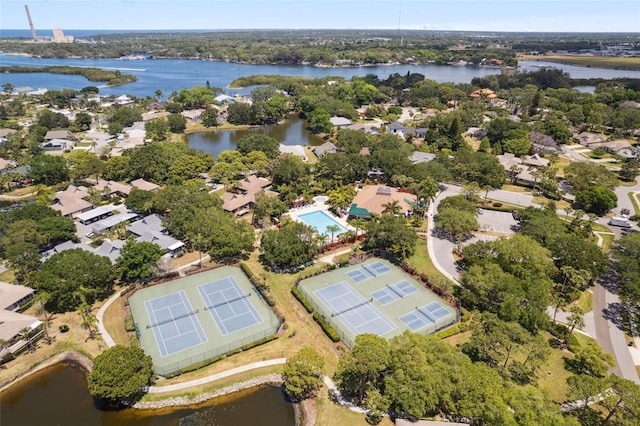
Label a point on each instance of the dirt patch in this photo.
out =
(308, 412)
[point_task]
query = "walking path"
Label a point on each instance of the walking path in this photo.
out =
(217, 376)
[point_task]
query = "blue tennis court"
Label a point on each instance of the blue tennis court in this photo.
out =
(424, 316)
(357, 313)
(393, 292)
(174, 323)
(229, 306)
(365, 272)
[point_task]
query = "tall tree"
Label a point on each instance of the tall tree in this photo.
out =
(120, 374)
(303, 374)
(137, 260)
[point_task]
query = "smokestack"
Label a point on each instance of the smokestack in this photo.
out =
(33, 30)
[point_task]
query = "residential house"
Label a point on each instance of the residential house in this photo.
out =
(13, 296)
(543, 143)
(476, 132)
(95, 214)
(223, 99)
(111, 221)
(6, 164)
(4, 134)
(619, 147)
(70, 202)
(57, 134)
(297, 150)
(123, 100)
(374, 198)
(371, 129)
(57, 145)
(523, 170)
(421, 157)
(108, 248)
(144, 185)
(193, 114)
(325, 148)
(586, 138)
(396, 128)
(112, 188)
(340, 121)
(12, 325)
(240, 203)
(150, 229)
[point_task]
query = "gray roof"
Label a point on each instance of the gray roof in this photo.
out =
(165, 242)
(94, 213)
(112, 221)
(421, 157)
(340, 121)
(396, 125)
(12, 293)
(151, 223)
(326, 147)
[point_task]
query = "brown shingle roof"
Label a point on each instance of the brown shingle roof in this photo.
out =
(374, 197)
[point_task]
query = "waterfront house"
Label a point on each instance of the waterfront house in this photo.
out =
(340, 121)
(297, 150)
(325, 148)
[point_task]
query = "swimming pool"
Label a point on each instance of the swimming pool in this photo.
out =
(320, 221)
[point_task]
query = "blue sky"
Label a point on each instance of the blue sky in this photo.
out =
(462, 15)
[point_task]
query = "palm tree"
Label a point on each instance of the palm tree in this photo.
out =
(26, 335)
(333, 229)
(88, 319)
(393, 207)
(568, 210)
(358, 224)
(42, 297)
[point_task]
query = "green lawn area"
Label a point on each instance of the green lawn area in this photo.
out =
(421, 261)
(585, 301)
(635, 202)
(552, 377)
(7, 276)
(516, 188)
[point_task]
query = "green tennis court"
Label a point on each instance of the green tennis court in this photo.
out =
(192, 319)
(376, 297)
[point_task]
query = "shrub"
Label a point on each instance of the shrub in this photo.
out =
(298, 295)
(497, 204)
(63, 328)
(448, 332)
(259, 342)
(326, 327)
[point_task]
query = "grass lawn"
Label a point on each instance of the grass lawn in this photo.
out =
(330, 413)
(22, 192)
(458, 339)
(7, 276)
(607, 241)
(421, 262)
(114, 322)
(74, 339)
(635, 202)
(311, 157)
(516, 188)
(552, 376)
(585, 301)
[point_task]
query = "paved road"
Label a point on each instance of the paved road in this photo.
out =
(610, 338)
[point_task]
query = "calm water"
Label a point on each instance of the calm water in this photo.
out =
(61, 397)
(292, 132)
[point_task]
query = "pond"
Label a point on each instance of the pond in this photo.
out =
(292, 132)
(61, 396)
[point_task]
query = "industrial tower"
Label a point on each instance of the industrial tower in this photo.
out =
(33, 30)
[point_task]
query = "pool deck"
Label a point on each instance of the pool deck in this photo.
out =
(319, 204)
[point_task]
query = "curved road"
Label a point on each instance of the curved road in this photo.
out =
(607, 333)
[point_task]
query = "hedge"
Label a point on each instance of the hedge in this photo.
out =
(259, 342)
(298, 295)
(128, 323)
(451, 331)
(326, 327)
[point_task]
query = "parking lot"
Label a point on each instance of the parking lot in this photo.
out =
(500, 222)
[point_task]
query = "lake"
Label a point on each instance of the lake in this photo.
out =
(292, 132)
(174, 74)
(60, 396)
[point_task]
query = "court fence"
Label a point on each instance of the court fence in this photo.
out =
(329, 317)
(200, 359)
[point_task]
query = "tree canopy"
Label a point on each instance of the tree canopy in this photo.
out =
(75, 276)
(137, 260)
(120, 375)
(303, 374)
(292, 245)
